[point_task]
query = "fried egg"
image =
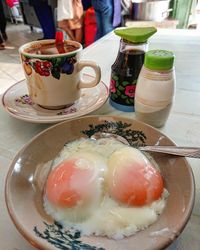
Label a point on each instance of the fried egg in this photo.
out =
(132, 179)
(104, 188)
(73, 186)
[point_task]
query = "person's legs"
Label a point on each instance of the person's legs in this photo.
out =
(2, 46)
(64, 25)
(79, 35)
(107, 16)
(96, 6)
(99, 32)
(86, 4)
(45, 17)
(2, 23)
(104, 15)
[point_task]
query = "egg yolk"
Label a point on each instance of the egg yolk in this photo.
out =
(68, 185)
(132, 179)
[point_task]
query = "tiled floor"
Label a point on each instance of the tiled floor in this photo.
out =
(10, 67)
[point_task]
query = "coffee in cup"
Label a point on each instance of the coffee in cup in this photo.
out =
(53, 78)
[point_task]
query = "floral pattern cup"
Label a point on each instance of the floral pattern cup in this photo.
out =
(54, 80)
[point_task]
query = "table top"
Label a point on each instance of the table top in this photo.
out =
(182, 126)
(166, 23)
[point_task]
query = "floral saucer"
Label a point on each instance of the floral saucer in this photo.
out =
(18, 104)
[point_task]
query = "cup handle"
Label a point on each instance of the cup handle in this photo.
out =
(97, 70)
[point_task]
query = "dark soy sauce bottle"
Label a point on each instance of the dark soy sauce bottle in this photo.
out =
(126, 68)
(124, 74)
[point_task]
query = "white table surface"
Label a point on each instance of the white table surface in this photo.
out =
(183, 125)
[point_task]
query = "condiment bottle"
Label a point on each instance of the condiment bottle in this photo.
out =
(127, 66)
(155, 88)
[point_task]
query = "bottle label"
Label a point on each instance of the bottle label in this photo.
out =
(122, 92)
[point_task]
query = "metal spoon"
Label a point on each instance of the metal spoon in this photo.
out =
(193, 152)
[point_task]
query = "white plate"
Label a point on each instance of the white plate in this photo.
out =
(18, 104)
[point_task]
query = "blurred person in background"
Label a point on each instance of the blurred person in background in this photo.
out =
(86, 4)
(45, 17)
(3, 35)
(108, 15)
(12, 4)
(70, 18)
(126, 10)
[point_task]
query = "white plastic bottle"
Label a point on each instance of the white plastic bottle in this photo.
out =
(155, 89)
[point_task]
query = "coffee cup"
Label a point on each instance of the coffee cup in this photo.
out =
(54, 79)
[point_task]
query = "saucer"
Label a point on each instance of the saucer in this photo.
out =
(18, 104)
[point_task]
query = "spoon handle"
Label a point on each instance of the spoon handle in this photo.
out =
(193, 152)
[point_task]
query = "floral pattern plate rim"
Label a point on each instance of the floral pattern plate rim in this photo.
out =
(28, 171)
(18, 104)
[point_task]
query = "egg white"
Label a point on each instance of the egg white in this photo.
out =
(103, 216)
